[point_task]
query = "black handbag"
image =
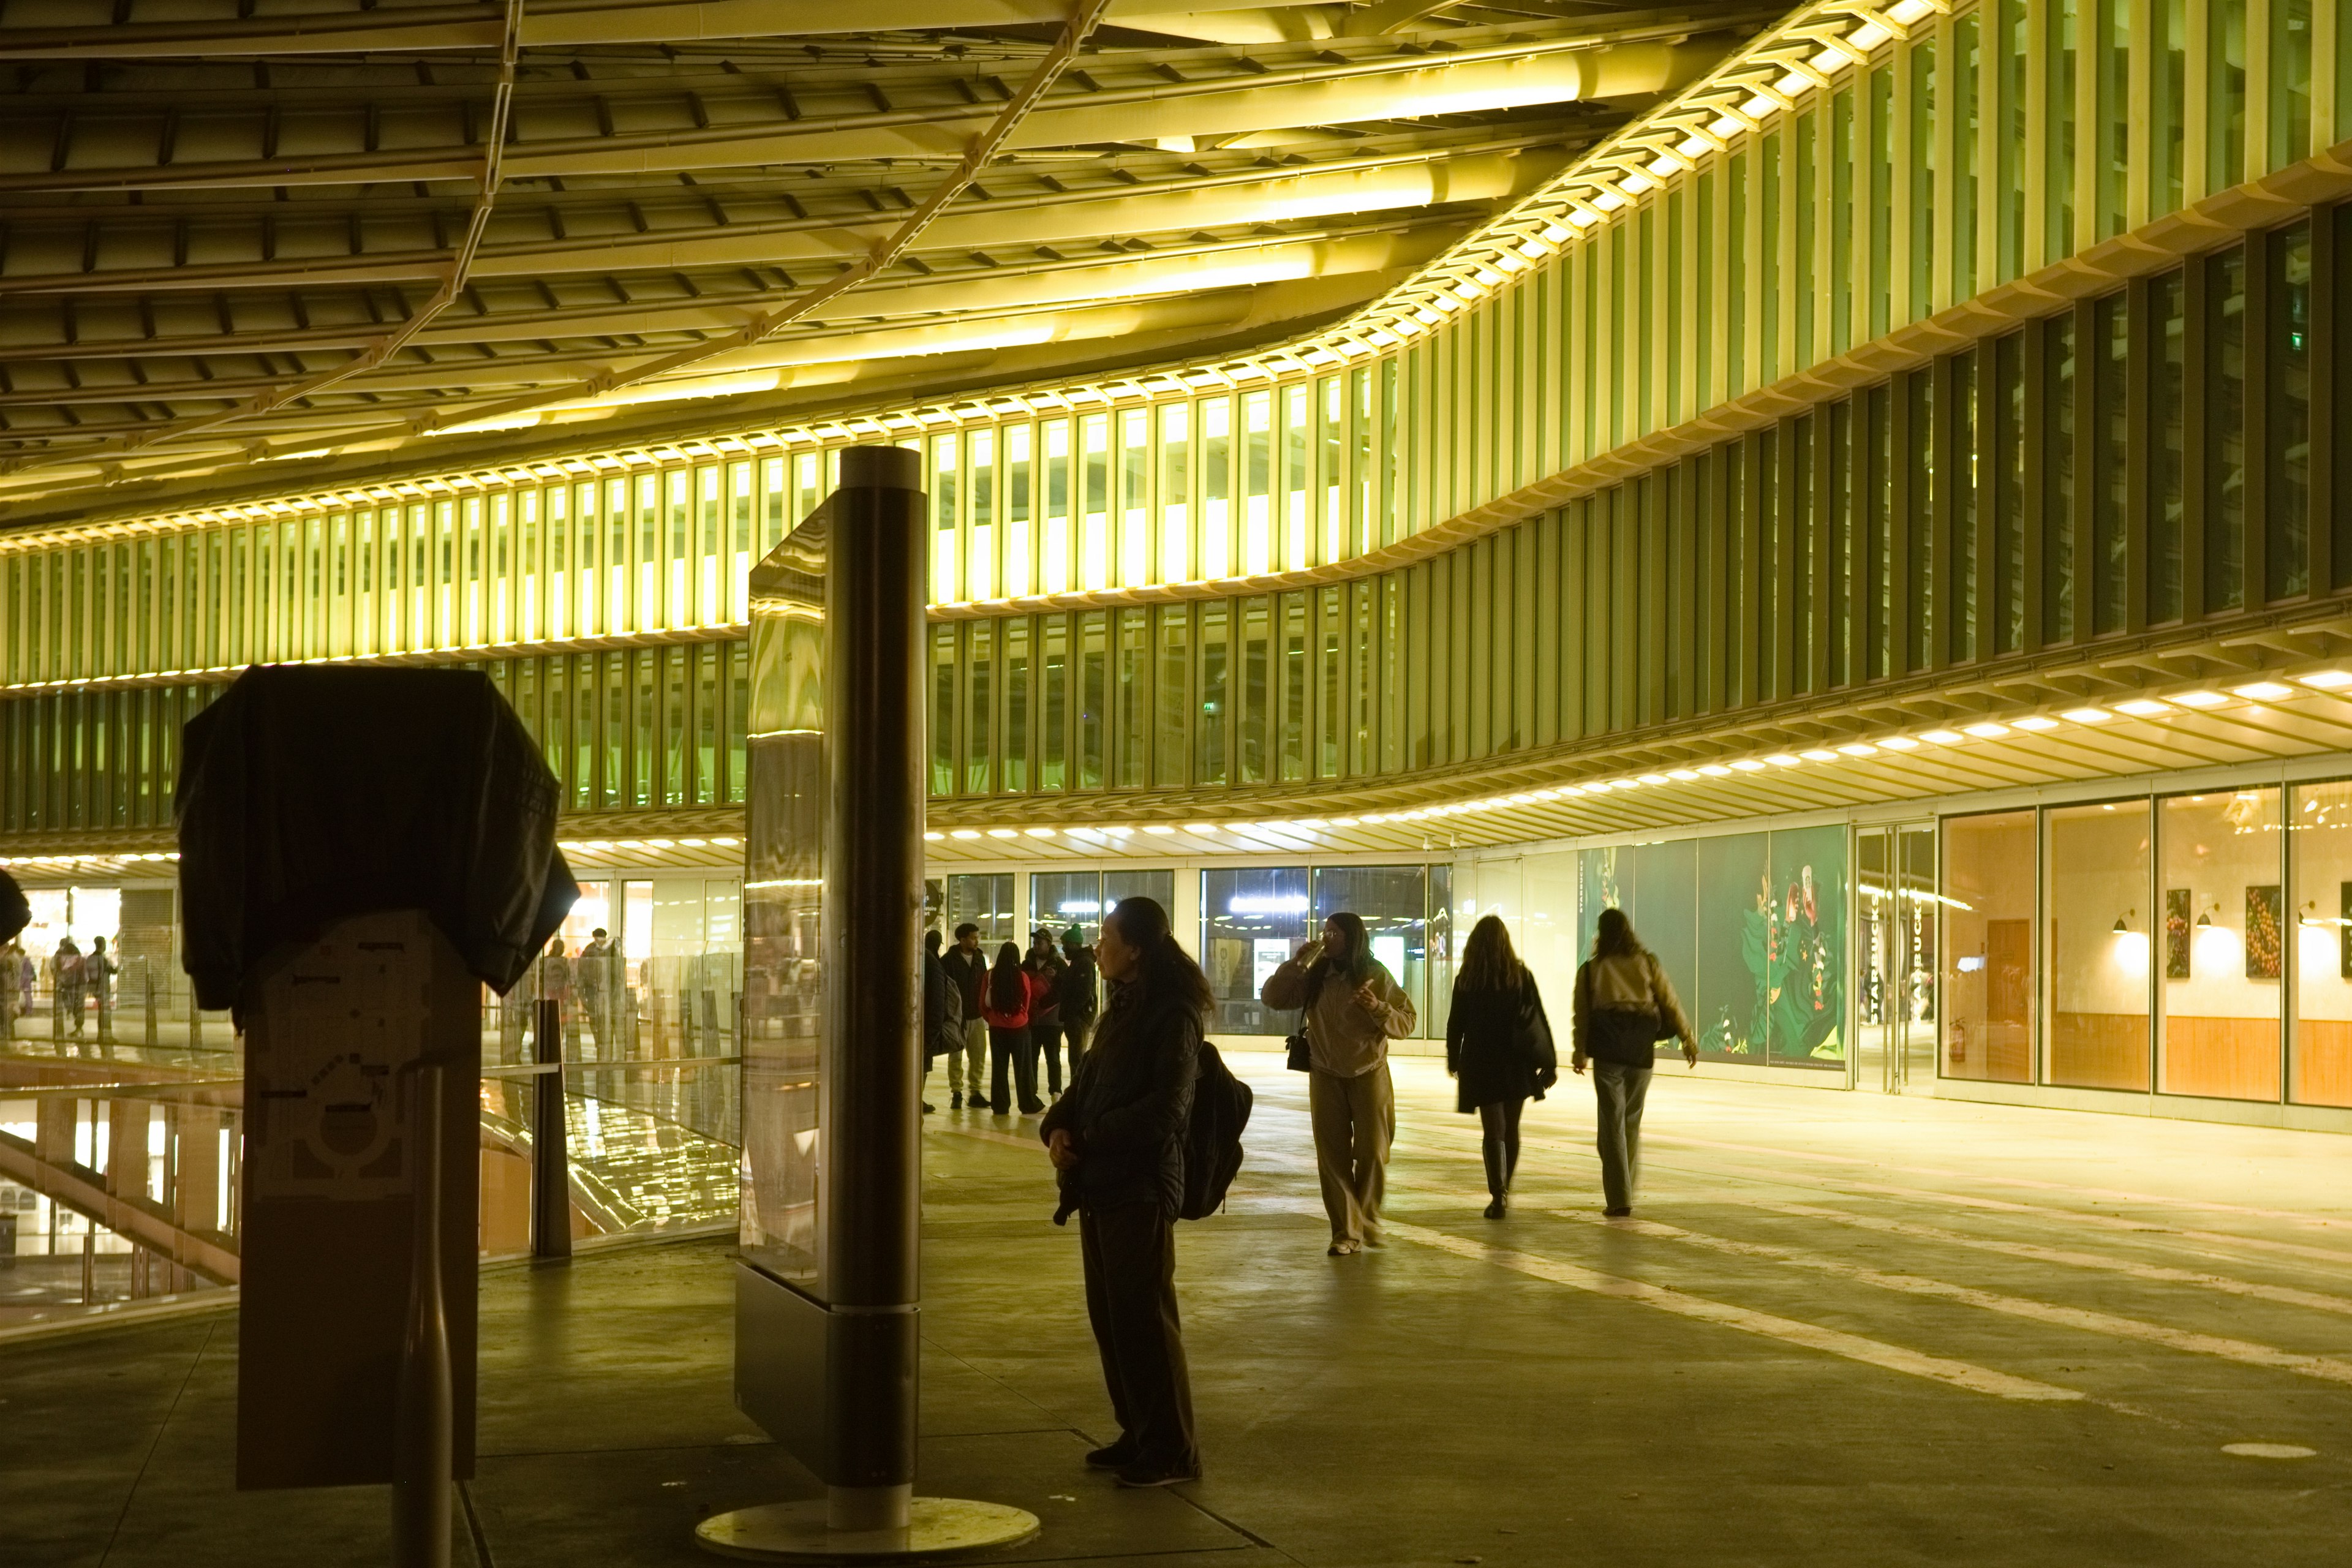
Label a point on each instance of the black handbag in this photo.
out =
(1301, 1057)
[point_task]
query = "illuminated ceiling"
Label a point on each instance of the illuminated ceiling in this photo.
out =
(240, 229)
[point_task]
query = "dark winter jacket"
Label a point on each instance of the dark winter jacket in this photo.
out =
(1126, 1109)
(1075, 992)
(942, 1009)
(970, 973)
(1498, 1045)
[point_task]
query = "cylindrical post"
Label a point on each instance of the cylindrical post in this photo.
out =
(147, 976)
(550, 1158)
(424, 1439)
(873, 882)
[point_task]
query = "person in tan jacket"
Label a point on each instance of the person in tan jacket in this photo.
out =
(1624, 1005)
(1354, 1008)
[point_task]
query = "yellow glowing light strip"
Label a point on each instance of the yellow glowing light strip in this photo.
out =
(1768, 78)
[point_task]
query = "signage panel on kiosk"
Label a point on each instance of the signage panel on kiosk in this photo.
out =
(826, 1323)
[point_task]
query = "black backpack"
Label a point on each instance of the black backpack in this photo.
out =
(1212, 1135)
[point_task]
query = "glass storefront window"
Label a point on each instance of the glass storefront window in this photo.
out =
(2222, 956)
(986, 901)
(2097, 917)
(2320, 836)
(1393, 902)
(1250, 921)
(1988, 946)
(1060, 900)
(1159, 886)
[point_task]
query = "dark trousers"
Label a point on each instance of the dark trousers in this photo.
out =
(1618, 1091)
(1073, 1034)
(1011, 1047)
(1047, 1036)
(1500, 1124)
(1130, 1265)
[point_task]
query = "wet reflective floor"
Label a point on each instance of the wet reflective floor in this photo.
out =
(1839, 1328)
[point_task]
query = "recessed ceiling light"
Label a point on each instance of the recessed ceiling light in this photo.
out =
(1158, 827)
(1714, 770)
(2215, 699)
(1040, 833)
(1748, 765)
(1336, 821)
(1654, 778)
(2037, 723)
(1986, 731)
(965, 833)
(1684, 774)
(2328, 679)
(1941, 737)
(1859, 749)
(1818, 755)
(1003, 832)
(934, 837)
(1900, 744)
(1781, 759)
(2265, 692)
(2143, 707)
(1199, 828)
(2088, 715)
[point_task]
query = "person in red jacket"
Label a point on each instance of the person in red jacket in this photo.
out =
(1005, 1001)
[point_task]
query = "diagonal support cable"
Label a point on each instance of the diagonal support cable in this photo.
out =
(983, 150)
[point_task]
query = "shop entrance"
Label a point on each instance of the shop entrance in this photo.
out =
(1895, 898)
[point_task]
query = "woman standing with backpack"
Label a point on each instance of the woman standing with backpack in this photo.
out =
(1625, 1005)
(1117, 1139)
(1498, 1048)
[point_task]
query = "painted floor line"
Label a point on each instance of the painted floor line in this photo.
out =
(2154, 1272)
(1812, 1336)
(2155, 1234)
(2245, 1352)
(2154, 1200)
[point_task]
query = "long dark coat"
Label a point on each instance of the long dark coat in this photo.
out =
(1498, 1045)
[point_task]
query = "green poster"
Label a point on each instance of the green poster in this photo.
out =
(1805, 962)
(1728, 998)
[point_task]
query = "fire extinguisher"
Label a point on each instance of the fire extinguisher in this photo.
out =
(1960, 1041)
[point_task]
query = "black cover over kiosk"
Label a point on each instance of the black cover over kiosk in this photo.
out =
(827, 1324)
(359, 852)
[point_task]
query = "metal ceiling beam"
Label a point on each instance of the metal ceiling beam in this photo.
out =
(1351, 186)
(973, 293)
(1497, 77)
(554, 24)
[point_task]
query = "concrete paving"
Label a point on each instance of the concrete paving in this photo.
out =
(1841, 1328)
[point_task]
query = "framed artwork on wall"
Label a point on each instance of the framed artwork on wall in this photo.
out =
(2176, 916)
(2265, 921)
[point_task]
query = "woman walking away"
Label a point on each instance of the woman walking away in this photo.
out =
(1354, 1008)
(1010, 992)
(1117, 1139)
(1625, 1005)
(1498, 1048)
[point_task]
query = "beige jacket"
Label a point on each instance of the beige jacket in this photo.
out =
(1344, 1037)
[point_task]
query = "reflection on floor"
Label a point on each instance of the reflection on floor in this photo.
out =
(1844, 1328)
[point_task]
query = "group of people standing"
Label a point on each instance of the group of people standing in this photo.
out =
(77, 980)
(1005, 1012)
(1117, 1139)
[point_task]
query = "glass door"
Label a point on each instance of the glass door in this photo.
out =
(1895, 899)
(1917, 898)
(1876, 979)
